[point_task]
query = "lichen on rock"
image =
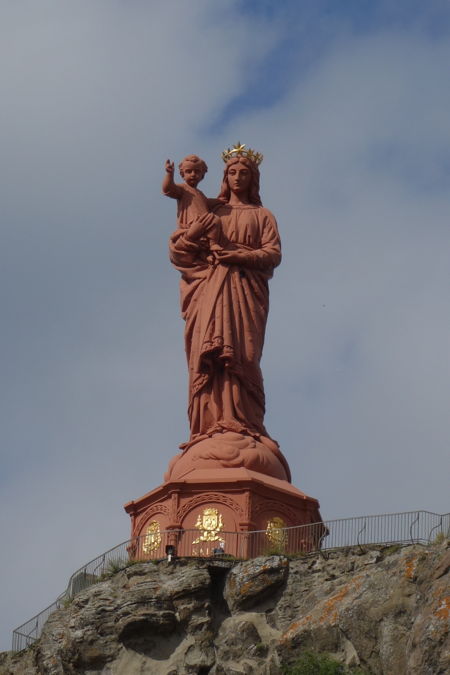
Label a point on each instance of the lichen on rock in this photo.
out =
(385, 610)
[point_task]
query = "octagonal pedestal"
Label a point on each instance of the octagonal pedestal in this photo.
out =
(238, 511)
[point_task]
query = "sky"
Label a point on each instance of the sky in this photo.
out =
(349, 103)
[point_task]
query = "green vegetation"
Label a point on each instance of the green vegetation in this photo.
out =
(310, 663)
(29, 648)
(141, 561)
(439, 538)
(118, 564)
(228, 556)
(274, 549)
(390, 550)
(261, 649)
(301, 554)
(115, 565)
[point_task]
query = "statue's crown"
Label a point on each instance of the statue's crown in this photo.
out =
(240, 150)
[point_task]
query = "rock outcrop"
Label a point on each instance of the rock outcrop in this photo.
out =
(384, 611)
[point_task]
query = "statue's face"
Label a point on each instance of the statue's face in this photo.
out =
(192, 173)
(239, 178)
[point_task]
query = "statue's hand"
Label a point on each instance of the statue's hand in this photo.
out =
(236, 257)
(170, 167)
(213, 228)
(199, 226)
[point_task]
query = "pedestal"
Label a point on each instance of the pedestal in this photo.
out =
(236, 511)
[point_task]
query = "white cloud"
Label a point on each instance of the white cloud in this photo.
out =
(366, 273)
(356, 362)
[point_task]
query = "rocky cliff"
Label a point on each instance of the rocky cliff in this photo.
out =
(383, 610)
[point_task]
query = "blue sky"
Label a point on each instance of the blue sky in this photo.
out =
(348, 102)
(307, 31)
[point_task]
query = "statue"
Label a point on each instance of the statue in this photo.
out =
(191, 202)
(226, 251)
(230, 477)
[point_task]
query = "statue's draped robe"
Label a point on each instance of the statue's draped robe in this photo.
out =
(225, 308)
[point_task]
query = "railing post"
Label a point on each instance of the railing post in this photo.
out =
(412, 525)
(343, 533)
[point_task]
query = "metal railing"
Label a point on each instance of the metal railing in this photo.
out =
(416, 527)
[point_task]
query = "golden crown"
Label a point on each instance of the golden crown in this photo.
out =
(240, 150)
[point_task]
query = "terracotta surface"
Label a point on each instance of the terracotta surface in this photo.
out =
(225, 301)
(228, 450)
(230, 472)
(246, 500)
(192, 204)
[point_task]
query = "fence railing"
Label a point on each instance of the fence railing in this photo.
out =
(416, 527)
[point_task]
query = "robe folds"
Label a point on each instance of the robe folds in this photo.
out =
(225, 308)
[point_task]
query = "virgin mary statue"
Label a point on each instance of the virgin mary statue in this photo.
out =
(226, 259)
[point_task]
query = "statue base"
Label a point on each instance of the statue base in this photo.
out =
(230, 450)
(236, 511)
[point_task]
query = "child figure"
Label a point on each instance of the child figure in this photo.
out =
(191, 202)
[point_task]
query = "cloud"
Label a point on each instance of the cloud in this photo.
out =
(356, 145)
(363, 146)
(95, 97)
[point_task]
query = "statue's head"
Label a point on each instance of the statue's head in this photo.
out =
(192, 169)
(253, 187)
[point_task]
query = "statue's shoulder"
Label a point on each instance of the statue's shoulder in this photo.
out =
(266, 214)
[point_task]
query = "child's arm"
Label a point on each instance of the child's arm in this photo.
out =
(169, 188)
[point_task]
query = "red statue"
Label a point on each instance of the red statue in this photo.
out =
(226, 257)
(230, 478)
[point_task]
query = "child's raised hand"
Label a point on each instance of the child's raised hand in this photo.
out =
(170, 167)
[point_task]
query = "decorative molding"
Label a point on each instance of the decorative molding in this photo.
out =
(208, 498)
(163, 509)
(268, 505)
(248, 505)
